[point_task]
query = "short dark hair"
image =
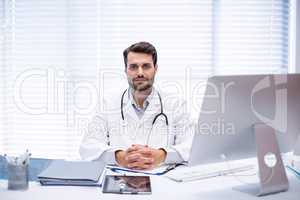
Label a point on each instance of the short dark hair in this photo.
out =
(141, 47)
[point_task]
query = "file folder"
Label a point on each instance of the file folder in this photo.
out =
(74, 173)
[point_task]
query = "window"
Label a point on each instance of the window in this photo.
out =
(56, 56)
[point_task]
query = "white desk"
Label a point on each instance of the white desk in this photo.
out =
(162, 188)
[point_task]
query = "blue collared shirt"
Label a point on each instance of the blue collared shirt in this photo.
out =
(140, 111)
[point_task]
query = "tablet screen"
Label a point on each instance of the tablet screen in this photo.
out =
(127, 184)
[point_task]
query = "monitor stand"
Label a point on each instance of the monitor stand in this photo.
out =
(272, 173)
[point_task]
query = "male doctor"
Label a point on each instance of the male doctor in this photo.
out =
(141, 127)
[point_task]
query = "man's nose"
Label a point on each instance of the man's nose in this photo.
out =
(140, 71)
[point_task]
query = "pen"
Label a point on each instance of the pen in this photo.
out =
(18, 160)
(9, 159)
(119, 170)
(297, 173)
(169, 168)
(26, 156)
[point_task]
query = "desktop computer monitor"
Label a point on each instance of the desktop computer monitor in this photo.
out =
(232, 105)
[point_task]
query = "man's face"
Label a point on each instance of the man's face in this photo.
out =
(140, 71)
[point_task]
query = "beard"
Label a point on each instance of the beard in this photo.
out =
(141, 86)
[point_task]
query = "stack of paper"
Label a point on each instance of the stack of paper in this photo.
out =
(79, 173)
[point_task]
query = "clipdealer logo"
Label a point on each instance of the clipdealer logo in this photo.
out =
(279, 84)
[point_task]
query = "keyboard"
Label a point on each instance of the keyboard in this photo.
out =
(186, 174)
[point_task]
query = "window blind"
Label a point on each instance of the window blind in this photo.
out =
(2, 74)
(251, 36)
(181, 30)
(56, 55)
(50, 41)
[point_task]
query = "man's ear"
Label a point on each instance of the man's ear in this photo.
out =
(155, 67)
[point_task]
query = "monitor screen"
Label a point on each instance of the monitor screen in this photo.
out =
(232, 105)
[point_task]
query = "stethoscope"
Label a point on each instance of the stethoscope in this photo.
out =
(156, 116)
(154, 119)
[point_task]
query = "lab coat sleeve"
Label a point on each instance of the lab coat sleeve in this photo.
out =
(94, 145)
(182, 127)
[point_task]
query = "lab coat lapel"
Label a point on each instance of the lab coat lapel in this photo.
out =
(129, 113)
(152, 109)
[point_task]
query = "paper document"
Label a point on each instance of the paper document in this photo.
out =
(122, 170)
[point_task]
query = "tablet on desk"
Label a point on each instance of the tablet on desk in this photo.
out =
(127, 184)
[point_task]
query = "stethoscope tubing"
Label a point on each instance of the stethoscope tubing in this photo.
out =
(154, 119)
(156, 116)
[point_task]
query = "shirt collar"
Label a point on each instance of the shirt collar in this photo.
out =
(146, 102)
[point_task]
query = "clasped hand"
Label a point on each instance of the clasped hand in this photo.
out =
(140, 157)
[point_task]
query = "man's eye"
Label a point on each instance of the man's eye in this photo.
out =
(133, 67)
(147, 66)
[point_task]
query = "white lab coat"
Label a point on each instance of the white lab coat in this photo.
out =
(107, 132)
